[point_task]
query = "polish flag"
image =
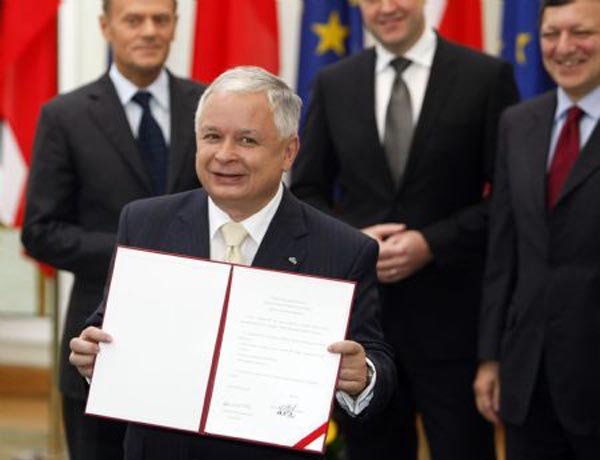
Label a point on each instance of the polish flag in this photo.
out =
(234, 32)
(459, 21)
(28, 78)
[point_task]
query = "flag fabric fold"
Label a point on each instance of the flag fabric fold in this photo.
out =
(232, 32)
(28, 78)
(521, 46)
(462, 23)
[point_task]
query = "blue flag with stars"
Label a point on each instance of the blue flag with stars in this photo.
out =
(331, 30)
(521, 46)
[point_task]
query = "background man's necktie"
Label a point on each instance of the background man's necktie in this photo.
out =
(398, 124)
(565, 155)
(234, 235)
(152, 145)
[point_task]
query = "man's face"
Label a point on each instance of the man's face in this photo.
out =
(396, 24)
(140, 33)
(570, 41)
(241, 157)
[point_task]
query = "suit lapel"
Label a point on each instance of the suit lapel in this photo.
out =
(189, 232)
(109, 116)
(587, 162)
(283, 247)
(182, 139)
(365, 78)
(539, 134)
(441, 81)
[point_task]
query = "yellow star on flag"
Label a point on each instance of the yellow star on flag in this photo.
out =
(331, 35)
(521, 43)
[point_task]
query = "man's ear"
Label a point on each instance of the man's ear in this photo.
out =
(291, 151)
(176, 21)
(103, 21)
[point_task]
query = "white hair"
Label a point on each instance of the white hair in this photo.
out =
(285, 104)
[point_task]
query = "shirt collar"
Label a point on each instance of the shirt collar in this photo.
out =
(590, 104)
(421, 53)
(159, 88)
(256, 225)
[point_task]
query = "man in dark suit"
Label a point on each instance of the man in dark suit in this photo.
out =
(96, 150)
(422, 201)
(246, 126)
(540, 320)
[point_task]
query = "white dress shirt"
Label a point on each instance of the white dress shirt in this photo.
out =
(590, 104)
(256, 225)
(160, 102)
(416, 77)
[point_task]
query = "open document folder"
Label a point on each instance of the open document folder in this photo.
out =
(220, 349)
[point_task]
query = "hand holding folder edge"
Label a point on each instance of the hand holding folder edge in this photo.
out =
(352, 377)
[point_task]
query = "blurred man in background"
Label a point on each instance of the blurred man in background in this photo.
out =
(126, 136)
(539, 341)
(399, 142)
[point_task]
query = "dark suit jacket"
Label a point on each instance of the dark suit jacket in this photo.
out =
(322, 246)
(85, 168)
(542, 286)
(342, 168)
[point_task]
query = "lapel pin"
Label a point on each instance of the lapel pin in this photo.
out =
(293, 260)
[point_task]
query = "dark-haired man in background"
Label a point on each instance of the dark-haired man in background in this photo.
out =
(539, 339)
(399, 141)
(125, 136)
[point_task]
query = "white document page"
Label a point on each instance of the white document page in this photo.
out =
(275, 378)
(163, 313)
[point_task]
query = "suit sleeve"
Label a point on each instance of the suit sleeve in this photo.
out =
(500, 268)
(460, 240)
(51, 230)
(316, 167)
(97, 317)
(365, 327)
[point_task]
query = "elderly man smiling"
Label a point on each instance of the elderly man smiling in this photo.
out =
(247, 138)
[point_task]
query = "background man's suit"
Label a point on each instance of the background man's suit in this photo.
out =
(86, 167)
(321, 245)
(542, 310)
(431, 317)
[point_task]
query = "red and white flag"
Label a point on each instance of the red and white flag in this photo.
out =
(234, 32)
(28, 78)
(458, 20)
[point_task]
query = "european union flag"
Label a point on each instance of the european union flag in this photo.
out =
(331, 30)
(521, 46)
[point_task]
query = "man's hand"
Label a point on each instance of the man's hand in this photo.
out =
(353, 371)
(85, 348)
(487, 391)
(401, 255)
(382, 232)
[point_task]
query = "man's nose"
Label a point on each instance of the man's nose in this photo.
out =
(226, 151)
(566, 43)
(148, 27)
(389, 5)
